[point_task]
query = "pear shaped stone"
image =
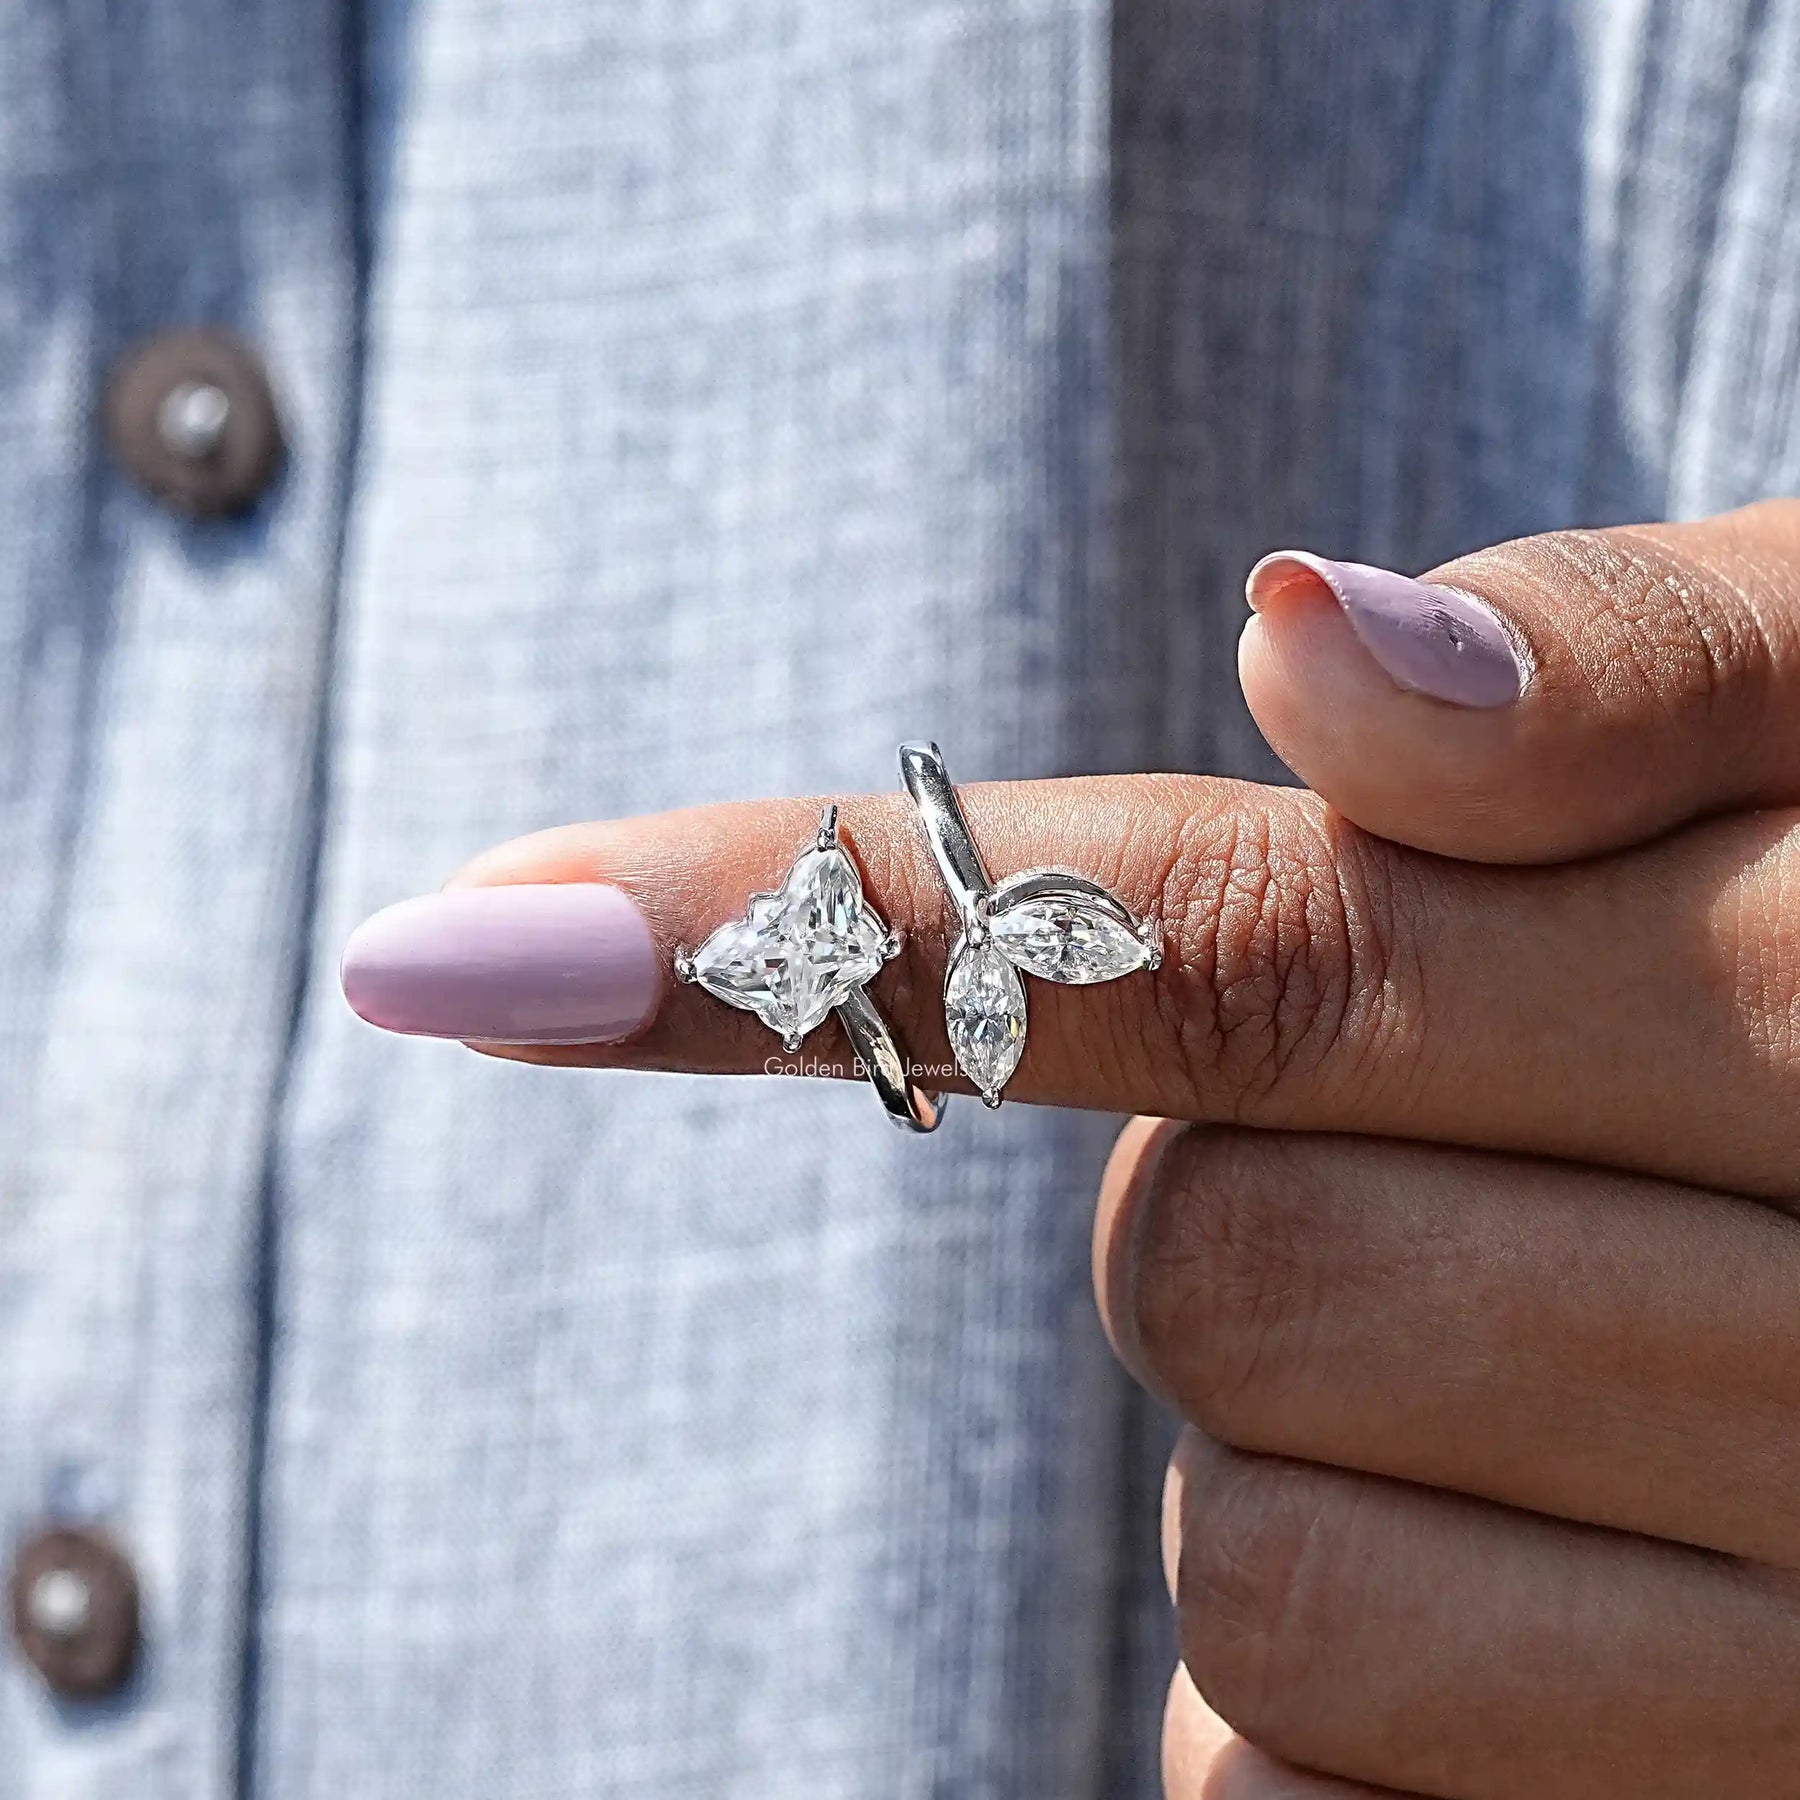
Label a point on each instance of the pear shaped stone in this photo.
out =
(984, 1010)
(1068, 936)
(797, 953)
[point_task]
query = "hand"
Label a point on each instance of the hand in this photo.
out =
(1491, 1487)
(1418, 1379)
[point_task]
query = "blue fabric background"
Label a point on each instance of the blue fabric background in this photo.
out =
(690, 399)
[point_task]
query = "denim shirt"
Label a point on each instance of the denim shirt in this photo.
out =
(690, 399)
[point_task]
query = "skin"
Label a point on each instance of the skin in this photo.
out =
(1461, 1231)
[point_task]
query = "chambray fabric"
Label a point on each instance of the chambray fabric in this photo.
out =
(689, 399)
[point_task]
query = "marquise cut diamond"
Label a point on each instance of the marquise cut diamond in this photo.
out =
(984, 1010)
(798, 953)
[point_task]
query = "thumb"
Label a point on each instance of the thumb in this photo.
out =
(1550, 698)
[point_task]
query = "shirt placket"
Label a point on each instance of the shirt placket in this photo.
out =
(218, 292)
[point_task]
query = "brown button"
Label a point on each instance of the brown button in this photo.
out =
(75, 1611)
(191, 417)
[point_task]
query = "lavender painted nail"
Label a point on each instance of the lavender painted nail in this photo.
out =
(1430, 639)
(567, 964)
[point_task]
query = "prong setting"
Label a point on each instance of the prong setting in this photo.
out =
(805, 952)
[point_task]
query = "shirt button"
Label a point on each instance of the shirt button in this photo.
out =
(191, 417)
(75, 1612)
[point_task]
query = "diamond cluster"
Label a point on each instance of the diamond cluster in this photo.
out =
(1056, 926)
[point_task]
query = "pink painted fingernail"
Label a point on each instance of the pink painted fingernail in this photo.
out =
(1431, 640)
(568, 964)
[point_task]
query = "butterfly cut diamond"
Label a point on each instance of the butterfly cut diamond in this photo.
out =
(801, 951)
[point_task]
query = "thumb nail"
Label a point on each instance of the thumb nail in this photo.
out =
(1431, 640)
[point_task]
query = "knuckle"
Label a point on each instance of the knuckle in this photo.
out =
(1756, 919)
(1648, 623)
(1295, 967)
(1227, 1275)
(1260, 1570)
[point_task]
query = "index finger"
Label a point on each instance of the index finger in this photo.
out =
(1155, 841)
(1313, 976)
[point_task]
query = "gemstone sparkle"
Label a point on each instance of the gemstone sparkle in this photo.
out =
(984, 1010)
(799, 952)
(1068, 936)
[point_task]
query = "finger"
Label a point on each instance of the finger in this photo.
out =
(1449, 1647)
(1601, 1348)
(1313, 976)
(1193, 1736)
(1550, 698)
(1203, 1759)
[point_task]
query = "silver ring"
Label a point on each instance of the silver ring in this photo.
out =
(810, 949)
(1051, 923)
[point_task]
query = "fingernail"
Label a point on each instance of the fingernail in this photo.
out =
(567, 964)
(1431, 640)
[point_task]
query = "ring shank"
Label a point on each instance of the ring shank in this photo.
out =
(908, 1104)
(946, 830)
